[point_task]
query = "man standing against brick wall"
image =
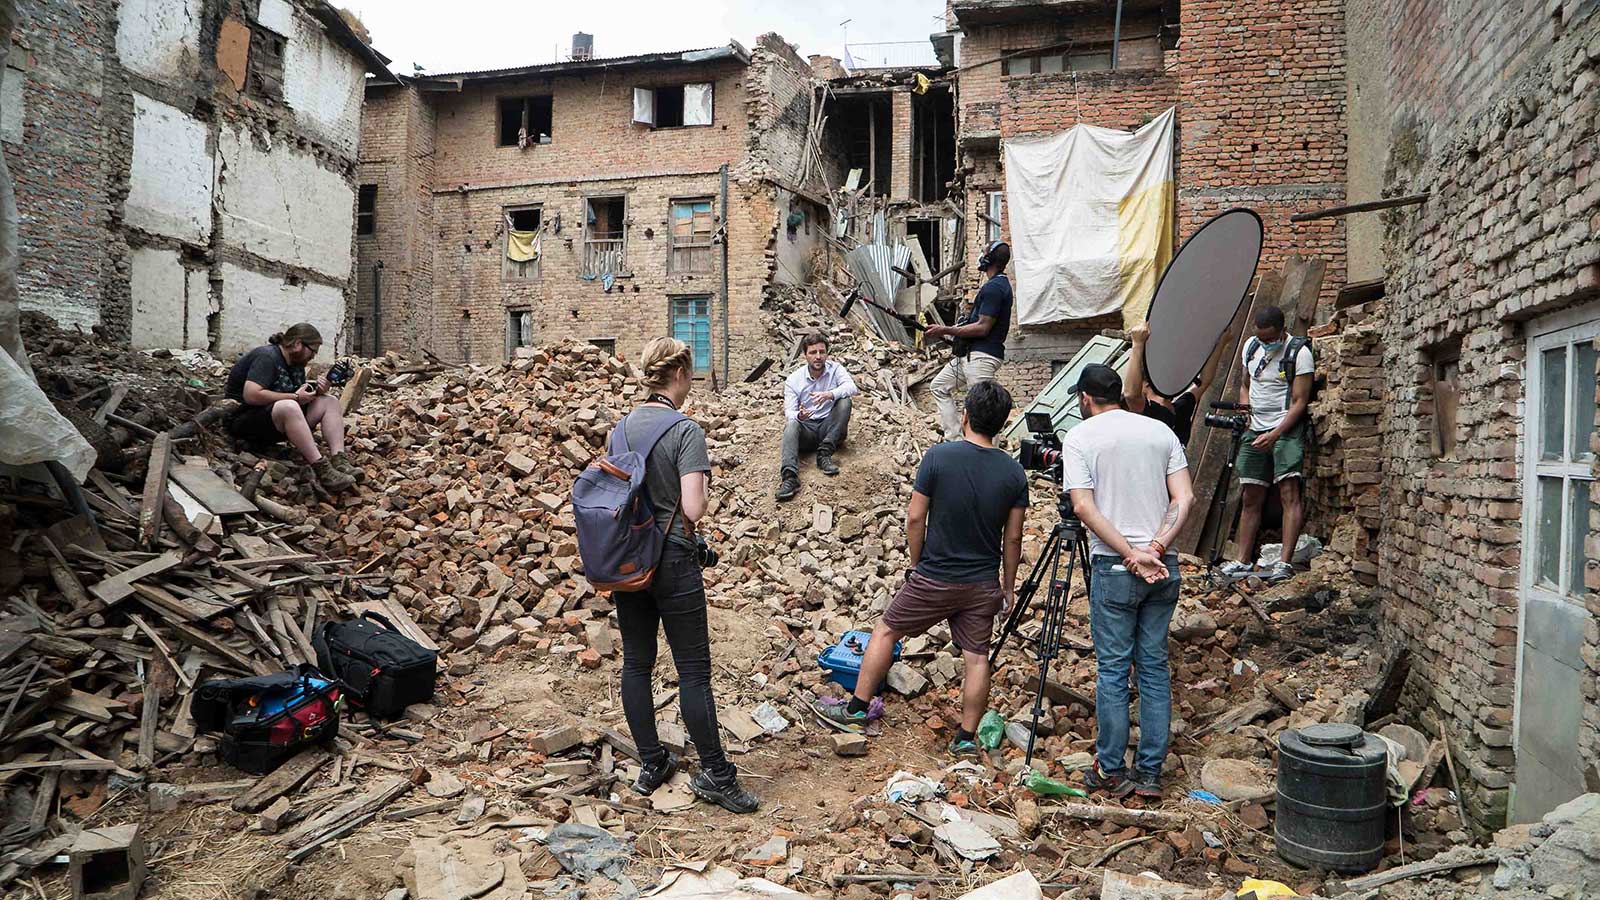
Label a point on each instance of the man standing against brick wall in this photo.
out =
(980, 338)
(1277, 389)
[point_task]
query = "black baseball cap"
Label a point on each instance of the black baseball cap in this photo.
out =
(1100, 382)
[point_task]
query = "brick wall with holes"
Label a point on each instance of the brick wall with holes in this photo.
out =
(1511, 234)
(1263, 123)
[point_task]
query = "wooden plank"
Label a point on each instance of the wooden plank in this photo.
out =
(149, 720)
(281, 559)
(284, 779)
(1370, 206)
(70, 747)
(89, 706)
(118, 391)
(112, 491)
(350, 397)
(212, 492)
(1429, 867)
(66, 765)
(380, 795)
(391, 609)
(155, 490)
(118, 587)
(200, 639)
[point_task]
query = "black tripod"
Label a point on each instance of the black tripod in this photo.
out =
(1219, 495)
(1047, 645)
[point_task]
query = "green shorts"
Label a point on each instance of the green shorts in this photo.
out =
(1284, 460)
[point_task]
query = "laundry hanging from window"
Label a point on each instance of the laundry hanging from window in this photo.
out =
(522, 246)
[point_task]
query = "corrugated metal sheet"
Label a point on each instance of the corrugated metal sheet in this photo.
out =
(873, 266)
(890, 55)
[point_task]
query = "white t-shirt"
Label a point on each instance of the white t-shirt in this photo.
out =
(1125, 459)
(1269, 391)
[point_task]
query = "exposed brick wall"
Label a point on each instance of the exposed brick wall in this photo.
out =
(1512, 232)
(1050, 103)
(60, 168)
(1344, 498)
(1263, 122)
(397, 156)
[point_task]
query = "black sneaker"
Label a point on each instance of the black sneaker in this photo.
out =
(729, 794)
(1147, 786)
(825, 463)
(652, 777)
(1114, 785)
(789, 487)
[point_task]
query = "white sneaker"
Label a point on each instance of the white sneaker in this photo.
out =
(1280, 571)
(1233, 569)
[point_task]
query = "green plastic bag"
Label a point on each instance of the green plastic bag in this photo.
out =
(1044, 786)
(992, 730)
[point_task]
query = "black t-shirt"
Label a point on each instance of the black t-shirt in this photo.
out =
(265, 366)
(1180, 418)
(994, 299)
(971, 492)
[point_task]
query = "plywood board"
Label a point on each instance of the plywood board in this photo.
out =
(212, 492)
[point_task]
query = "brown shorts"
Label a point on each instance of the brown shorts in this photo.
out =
(922, 603)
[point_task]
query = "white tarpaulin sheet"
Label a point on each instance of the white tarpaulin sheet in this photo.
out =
(31, 430)
(1091, 220)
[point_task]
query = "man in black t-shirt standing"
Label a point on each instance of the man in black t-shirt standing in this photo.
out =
(964, 527)
(1178, 412)
(980, 338)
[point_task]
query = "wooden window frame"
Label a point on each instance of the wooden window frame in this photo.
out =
(532, 270)
(694, 242)
(584, 267)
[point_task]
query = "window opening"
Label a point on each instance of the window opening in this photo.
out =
(523, 242)
(691, 323)
(604, 236)
(690, 235)
(367, 209)
(525, 120)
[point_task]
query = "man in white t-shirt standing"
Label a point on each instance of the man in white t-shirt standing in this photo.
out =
(1278, 391)
(1129, 483)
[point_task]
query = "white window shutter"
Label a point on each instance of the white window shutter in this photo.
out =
(644, 106)
(697, 104)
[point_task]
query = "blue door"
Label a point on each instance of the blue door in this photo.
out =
(691, 323)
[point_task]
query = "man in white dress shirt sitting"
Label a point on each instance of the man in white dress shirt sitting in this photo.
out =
(816, 400)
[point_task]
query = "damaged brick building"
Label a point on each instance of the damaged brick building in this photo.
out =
(184, 168)
(603, 199)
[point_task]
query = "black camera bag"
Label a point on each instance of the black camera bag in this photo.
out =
(383, 670)
(267, 719)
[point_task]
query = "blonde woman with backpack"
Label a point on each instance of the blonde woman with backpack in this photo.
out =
(677, 472)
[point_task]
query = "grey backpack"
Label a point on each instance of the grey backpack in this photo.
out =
(618, 540)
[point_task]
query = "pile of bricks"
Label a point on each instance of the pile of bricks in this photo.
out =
(1346, 462)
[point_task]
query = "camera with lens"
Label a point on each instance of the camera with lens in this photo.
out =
(704, 552)
(1238, 423)
(339, 373)
(1042, 452)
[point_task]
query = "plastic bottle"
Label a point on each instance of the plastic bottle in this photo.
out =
(1044, 786)
(991, 730)
(1017, 733)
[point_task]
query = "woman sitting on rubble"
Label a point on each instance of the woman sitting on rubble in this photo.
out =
(677, 474)
(276, 402)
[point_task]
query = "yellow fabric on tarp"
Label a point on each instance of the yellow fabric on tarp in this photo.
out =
(1264, 889)
(523, 246)
(1144, 233)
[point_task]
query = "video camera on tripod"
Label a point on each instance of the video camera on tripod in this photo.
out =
(1236, 424)
(1042, 451)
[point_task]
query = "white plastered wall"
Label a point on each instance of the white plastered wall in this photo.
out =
(160, 39)
(323, 83)
(169, 187)
(280, 204)
(255, 305)
(170, 303)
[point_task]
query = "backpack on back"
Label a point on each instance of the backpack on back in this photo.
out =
(1291, 352)
(617, 537)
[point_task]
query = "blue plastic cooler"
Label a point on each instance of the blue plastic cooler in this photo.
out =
(842, 661)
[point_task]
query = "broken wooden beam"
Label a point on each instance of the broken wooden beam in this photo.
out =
(155, 490)
(119, 587)
(1117, 815)
(1333, 212)
(283, 779)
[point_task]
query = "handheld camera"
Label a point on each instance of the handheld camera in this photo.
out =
(339, 373)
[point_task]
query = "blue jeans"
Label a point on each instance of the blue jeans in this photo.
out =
(1129, 618)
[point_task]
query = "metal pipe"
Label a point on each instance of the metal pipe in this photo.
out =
(377, 308)
(726, 235)
(1116, 36)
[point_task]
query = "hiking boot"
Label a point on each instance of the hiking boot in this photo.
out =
(1280, 571)
(1114, 785)
(839, 716)
(724, 792)
(789, 486)
(345, 464)
(825, 463)
(1147, 786)
(964, 748)
(332, 480)
(652, 777)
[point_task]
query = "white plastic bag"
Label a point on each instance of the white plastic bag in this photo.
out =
(32, 431)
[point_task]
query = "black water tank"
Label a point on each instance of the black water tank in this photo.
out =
(1331, 798)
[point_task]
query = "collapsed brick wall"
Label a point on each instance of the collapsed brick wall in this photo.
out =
(1343, 492)
(55, 147)
(1511, 233)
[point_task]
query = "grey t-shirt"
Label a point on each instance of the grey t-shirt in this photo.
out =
(680, 451)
